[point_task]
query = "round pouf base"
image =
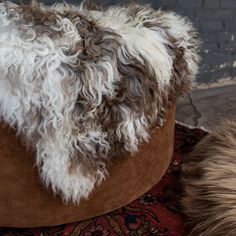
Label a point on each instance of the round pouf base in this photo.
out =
(25, 203)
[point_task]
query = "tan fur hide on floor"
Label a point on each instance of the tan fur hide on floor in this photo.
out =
(209, 184)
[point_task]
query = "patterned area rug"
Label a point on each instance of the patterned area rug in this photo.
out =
(155, 213)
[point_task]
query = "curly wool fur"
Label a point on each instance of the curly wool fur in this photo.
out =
(81, 85)
(209, 184)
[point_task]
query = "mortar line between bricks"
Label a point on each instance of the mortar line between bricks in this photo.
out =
(197, 113)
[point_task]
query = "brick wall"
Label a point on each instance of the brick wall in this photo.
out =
(216, 22)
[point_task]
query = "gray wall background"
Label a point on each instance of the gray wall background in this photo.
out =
(216, 23)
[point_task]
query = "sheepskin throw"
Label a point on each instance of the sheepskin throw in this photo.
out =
(209, 184)
(82, 84)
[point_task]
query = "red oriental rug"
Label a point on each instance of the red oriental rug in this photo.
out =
(155, 213)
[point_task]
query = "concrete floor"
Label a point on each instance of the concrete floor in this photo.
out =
(207, 107)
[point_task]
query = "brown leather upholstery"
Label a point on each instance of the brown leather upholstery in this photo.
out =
(25, 203)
